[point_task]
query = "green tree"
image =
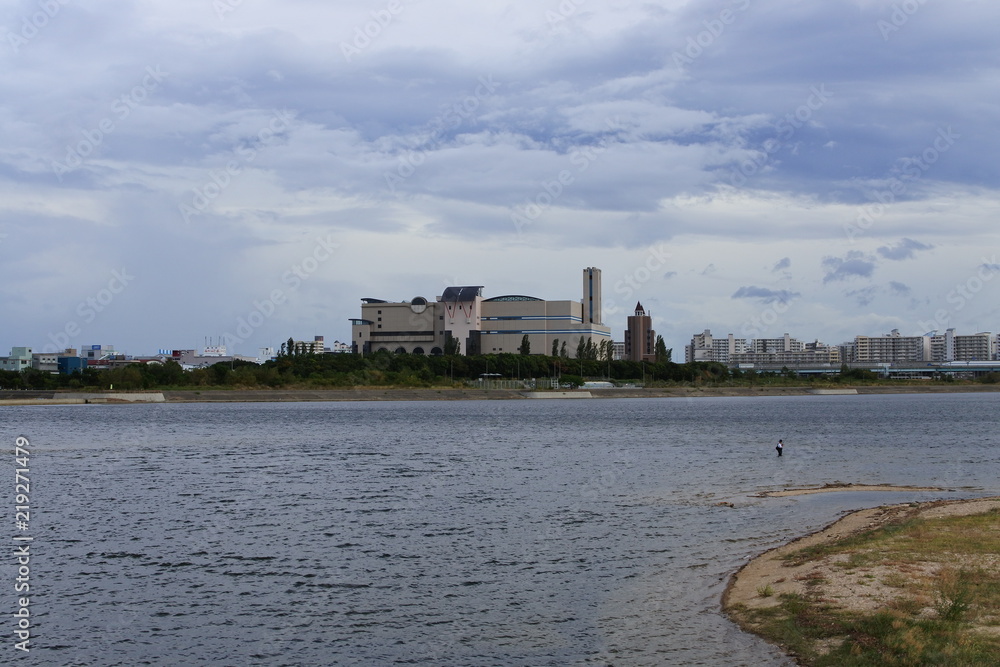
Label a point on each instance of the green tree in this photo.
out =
(555, 347)
(661, 351)
(525, 348)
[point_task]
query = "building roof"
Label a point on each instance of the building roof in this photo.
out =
(513, 297)
(462, 294)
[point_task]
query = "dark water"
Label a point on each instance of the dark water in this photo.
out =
(451, 533)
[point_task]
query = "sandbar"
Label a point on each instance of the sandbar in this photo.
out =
(841, 486)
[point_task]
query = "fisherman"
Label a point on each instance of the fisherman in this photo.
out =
(780, 447)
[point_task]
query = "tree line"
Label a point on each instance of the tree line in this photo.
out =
(297, 368)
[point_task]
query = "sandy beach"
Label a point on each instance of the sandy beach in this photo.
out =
(764, 581)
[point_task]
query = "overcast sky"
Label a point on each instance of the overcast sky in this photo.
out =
(172, 172)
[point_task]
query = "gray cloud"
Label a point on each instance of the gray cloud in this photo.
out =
(905, 249)
(765, 295)
(855, 264)
(900, 289)
(864, 296)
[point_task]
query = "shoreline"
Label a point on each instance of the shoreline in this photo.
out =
(11, 397)
(834, 487)
(764, 581)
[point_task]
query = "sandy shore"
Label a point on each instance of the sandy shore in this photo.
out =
(857, 592)
(840, 486)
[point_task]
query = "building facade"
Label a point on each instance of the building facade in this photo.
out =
(462, 317)
(705, 347)
(784, 351)
(20, 358)
(892, 348)
(640, 339)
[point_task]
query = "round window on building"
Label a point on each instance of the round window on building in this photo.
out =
(400, 350)
(418, 350)
(418, 304)
(436, 351)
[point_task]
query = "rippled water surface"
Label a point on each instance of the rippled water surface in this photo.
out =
(447, 533)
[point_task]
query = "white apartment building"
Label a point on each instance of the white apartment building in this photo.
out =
(774, 345)
(892, 348)
(784, 351)
(705, 347)
(975, 347)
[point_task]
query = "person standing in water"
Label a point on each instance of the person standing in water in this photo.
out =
(780, 447)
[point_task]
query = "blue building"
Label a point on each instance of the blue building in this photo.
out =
(69, 365)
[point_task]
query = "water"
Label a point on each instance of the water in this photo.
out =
(446, 533)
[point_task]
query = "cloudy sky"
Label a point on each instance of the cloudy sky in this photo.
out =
(174, 172)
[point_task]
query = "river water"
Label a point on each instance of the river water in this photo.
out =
(546, 532)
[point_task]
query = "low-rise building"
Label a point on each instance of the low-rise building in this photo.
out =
(69, 365)
(97, 352)
(20, 359)
(314, 346)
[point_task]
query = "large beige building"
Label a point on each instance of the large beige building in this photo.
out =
(481, 325)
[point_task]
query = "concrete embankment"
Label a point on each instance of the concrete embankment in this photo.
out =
(294, 395)
(78, 398)
(450, 394)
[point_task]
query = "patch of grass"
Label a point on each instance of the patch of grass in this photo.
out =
(765, 591)
(858, 559)
(864, 540)
(894, 580)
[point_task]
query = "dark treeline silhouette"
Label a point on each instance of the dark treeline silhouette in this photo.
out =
(299, 369)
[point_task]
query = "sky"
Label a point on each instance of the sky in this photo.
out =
(245, 171)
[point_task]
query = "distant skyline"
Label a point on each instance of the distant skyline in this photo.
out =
(174, 172)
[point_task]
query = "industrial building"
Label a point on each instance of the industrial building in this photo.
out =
(462, 318)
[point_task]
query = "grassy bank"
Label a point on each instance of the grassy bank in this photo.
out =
(920, 588)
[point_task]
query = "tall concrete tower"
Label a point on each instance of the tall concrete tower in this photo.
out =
(592, 296)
